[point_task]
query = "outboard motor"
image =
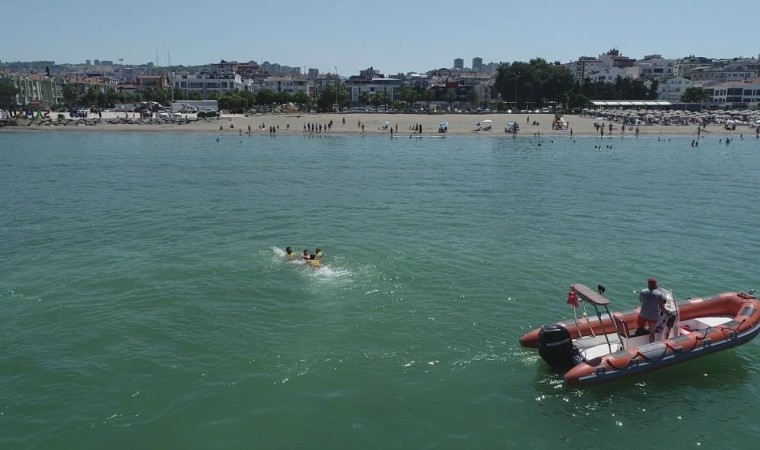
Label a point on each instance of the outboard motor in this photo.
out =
(555, 346)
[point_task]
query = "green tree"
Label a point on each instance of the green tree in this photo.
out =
(653, 88)
(326, 99)
(342, 96)
(380, 98)
(265, 97)
(8, 93)
(576, 98)
(536, 81)
(303, 99)
(429, 97)
(70, 94)
(451, 95)
(232, 101)
(472, 97)
(409, 95)
(694, 94)
(364, 98)
(90, 97)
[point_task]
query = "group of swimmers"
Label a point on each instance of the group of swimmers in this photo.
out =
(312, 259)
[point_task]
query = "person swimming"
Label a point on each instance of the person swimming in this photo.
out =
(306, 255)
(313, 261)
(319, 253)
(289, 253)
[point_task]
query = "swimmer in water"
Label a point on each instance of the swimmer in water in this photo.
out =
(289, 253)
(305, 255)
(319, 253)
(313, 261)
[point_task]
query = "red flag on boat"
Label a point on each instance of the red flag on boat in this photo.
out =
(572, 299)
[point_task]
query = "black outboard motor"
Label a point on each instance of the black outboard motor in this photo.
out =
(555, 346)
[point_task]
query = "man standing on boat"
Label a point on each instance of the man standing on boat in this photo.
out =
(652, 304)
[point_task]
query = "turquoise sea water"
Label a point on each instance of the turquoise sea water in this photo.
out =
(141, 305)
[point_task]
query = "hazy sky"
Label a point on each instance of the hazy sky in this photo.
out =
(390, 35)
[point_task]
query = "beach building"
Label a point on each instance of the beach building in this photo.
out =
(153, 82)
(279, 69)
(207, 83)
(291, 85)
(655, 66)
(37, 90)
(613, 58)
(673, 88)
(729, 72)
(477, 64)
(735, 94)
(371, 82)
(586, 66)
(322, 82)
(583, 67)
(391, 87)
(684, 66)
(610, 75)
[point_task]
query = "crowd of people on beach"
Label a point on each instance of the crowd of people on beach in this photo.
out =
(313, 128)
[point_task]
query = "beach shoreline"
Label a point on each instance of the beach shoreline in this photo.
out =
(351, 123)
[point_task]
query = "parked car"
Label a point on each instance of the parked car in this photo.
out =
(207, 113)
(73, 112)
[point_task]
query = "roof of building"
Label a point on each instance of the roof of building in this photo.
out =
(630, 103)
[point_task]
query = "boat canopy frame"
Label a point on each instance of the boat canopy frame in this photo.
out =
(597, 300)
(601, 304)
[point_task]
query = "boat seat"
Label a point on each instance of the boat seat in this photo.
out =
(713, 321)
(701, 323)
(621, 326)
(591, 347)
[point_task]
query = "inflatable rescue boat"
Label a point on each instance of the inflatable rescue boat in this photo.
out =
(606, 346)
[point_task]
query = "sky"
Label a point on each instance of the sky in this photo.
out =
(392, 36)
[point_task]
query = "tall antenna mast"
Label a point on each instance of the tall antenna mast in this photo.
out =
(171, 74)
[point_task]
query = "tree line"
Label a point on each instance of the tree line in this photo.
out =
(540, 83)
(519, 84)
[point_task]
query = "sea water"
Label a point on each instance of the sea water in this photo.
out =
(142, 305)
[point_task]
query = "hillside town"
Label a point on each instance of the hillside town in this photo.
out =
(695, 81)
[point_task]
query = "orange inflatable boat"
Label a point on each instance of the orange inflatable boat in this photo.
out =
(606, 346)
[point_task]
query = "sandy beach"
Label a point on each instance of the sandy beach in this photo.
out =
(366, 123)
